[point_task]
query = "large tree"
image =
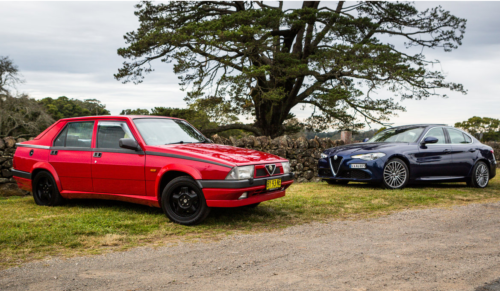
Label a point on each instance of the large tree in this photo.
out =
(261, 60)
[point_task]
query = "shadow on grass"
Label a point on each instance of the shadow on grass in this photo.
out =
(420, 185)
(217, 216)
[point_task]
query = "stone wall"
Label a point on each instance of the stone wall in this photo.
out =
(302, 153)
(7, 150)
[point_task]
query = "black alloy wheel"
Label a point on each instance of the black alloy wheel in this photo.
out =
(45, 190)
(480, 175)
(396, 174)
(183, 201)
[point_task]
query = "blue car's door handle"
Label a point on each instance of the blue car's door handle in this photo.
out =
(472, 150)
(447, 151)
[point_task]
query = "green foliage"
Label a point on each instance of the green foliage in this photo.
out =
(64, 107)
(483, 128)
(137, 111)
(260, 61)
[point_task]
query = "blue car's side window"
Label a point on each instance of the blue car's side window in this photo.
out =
(438, 133)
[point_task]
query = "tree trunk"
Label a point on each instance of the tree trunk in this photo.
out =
(270, 117)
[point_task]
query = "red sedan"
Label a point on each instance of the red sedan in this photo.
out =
(157, 161)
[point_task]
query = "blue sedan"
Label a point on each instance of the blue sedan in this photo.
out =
(413, 153)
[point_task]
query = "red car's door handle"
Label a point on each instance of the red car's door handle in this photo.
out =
(97, 155)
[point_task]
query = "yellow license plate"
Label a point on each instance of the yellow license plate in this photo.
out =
(273, 184)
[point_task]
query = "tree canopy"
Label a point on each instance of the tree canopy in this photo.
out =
(259, 60)
(64, 107)
(483, 128)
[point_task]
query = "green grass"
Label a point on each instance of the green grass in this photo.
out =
(81, 227)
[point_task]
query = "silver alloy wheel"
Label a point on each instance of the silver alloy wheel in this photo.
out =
(395, 174)
(482, 175)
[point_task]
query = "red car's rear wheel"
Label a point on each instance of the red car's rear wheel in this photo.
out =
(183, 201)
(45, 190)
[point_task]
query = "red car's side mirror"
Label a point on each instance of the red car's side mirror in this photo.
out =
(128, 143)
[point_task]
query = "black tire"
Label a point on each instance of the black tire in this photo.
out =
(252, 205)
(45, 190)
(480, 175)
(337, 182)
(395, 174)
(183, 201)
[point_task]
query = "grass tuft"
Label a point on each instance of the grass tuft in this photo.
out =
(83, 227)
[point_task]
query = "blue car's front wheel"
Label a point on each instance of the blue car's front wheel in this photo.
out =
(396, 174)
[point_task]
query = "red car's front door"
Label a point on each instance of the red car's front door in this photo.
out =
(116, 170)
(70, 156)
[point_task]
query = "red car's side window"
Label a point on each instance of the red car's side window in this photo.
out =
(76, 134)
(109, 134)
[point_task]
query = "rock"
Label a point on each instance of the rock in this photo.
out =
(21, 139)
(256, 144)
(7, 164)
(233, 140)
(31, 138)
(313, 143)
(264, 141)
(282, 153)
(282, 142)
(2, 144)
(309, 175)
(299, 167)
(11, 189)
(302, 143)
(6, 173)
(9, 151)
(2, 159)
(10, 142)
(301, 180)
(4, 180)
(293, 163)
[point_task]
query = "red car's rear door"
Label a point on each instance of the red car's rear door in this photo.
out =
(71, 154)
(116, 170)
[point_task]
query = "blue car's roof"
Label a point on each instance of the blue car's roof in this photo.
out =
(420, 125)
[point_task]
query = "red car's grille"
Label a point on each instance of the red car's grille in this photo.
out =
(261, 172)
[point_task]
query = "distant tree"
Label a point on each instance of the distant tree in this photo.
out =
(483, 128)
(261, 60)
(137, 111)
(9, 75)
(64, 107)
(22, 116)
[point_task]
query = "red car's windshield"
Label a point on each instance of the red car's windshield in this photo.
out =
(160, 131)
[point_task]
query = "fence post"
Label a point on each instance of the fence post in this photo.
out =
(346, 136)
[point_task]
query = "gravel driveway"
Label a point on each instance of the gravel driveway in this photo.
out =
(435, 249)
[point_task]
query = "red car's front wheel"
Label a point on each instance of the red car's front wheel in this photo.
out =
(183, 201)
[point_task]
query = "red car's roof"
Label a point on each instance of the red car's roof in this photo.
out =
(115, 117)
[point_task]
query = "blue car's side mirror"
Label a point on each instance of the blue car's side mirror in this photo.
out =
(366, 139)
(430, 139)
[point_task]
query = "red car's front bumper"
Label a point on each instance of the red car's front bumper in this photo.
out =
(226, 193)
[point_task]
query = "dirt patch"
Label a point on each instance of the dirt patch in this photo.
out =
(433, 249)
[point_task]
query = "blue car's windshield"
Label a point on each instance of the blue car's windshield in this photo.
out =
(407, 134)
(160, 131)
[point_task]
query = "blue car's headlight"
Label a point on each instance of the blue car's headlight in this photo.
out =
(369, 157)
(323, 156)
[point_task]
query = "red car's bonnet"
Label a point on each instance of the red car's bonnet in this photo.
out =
(220, 153)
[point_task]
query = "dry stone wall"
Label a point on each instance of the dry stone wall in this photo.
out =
(302, 153)
(7, 150)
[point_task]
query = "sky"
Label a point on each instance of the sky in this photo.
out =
(69, 49)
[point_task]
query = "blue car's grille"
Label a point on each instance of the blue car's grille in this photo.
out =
(336, 163)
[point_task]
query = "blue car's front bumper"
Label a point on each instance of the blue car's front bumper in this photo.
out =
(340, 169)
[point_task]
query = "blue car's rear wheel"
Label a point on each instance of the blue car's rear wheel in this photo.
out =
(480, 175)
(396, 174)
